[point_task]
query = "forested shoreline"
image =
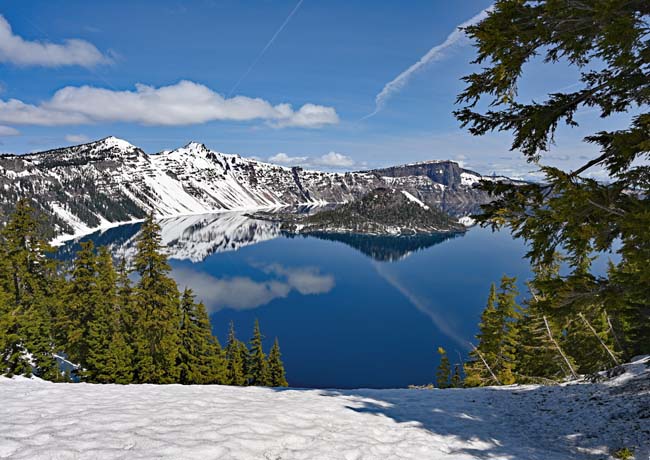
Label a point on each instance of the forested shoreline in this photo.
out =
(531, 342)
(113, 324)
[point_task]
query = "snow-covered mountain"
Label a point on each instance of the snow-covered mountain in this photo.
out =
(110, 181)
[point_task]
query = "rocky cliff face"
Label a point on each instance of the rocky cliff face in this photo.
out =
(446, 173)
(109, 181)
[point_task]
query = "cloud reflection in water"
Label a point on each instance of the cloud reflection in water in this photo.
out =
(243, 293)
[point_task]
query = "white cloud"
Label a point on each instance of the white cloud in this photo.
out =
(309, 115)
(329, 160)
(18, 113)
(284, 159)
(8, 131)
(460, 159)
(16, 50)
(334, 160)
(184, 103)
(77, 138)
(243, 293)
(456, 38)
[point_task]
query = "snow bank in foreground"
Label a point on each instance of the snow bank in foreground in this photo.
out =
(581, 421)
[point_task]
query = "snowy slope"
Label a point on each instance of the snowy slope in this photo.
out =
(412, 199)
(41, 420)
(99, 184)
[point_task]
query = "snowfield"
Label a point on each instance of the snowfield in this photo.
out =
(579, 421)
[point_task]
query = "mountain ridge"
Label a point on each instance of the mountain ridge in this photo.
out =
(85, 187)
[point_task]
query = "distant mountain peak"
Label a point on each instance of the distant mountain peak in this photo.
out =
(196, 146)
(114, 142)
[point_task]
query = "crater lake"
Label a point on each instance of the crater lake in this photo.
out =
(350, 311)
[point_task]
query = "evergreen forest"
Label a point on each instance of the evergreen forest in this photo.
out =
(101, 322)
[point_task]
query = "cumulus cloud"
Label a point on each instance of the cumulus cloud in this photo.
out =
(243, 293)
(334, 160)
(309, 115)
(16, 50)
(454, 39)
(77, 138)
(8, 131)
(284, 159)
(184, 103)
(18, 113)
(329, 160)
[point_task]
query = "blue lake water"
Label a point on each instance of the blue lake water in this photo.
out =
(350, 311)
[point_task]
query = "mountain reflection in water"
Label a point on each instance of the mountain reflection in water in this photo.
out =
(196, 237)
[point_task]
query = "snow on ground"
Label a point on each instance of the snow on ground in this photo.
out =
(467, 221)
(413, 199)
(469, 179)
(580, 421)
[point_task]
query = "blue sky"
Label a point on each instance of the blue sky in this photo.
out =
(160, 73)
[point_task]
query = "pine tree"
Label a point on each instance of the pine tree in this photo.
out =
(443, 374)
(243, 353)
(118, 361)
(187, 360)
(12, 360)
(494, 358)
(200, 357)
(539, 356)
(29, 284)
(9, 338)
(277, 377)
(585, 347)
(125, 301)
(456, 378)
(257, 366)
(487, 350)
(214, 360)
(508, 313)
(109, 355)
(82, 299)
(102, 322)
(235, 372)
(156, 310)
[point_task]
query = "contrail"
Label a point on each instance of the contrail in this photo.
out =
(457, 37)
(268, 45)
(422, 305)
